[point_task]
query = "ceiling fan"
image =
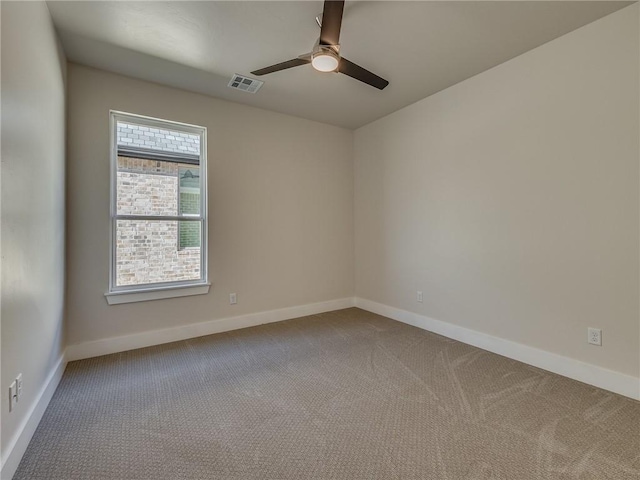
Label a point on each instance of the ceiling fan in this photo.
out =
(325, 56)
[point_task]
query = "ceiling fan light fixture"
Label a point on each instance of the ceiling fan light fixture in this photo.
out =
(325, 61)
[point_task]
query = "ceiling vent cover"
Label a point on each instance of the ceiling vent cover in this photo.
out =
(246, 84)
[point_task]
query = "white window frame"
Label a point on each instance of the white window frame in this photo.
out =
(154, 291)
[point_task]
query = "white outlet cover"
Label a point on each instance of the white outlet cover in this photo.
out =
(594, 336)
(419, 296)
(12, 395)
(233, 298)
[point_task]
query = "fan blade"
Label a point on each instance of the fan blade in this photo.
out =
(331, 22)
(296, 62)
(362, 74)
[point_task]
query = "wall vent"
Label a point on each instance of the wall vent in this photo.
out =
(246, 84)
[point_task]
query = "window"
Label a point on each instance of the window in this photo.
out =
(158, 209)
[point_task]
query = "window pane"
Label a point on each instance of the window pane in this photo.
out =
(151, 187)
(150, 251)
(156, 167)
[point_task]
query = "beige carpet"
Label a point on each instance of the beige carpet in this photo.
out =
(342, 395)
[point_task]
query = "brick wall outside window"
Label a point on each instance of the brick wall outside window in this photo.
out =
(157, 139)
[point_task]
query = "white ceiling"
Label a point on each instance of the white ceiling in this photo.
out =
(420, 47)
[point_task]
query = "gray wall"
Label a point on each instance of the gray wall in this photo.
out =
(33, 205)
(511, 199)
(280, 207)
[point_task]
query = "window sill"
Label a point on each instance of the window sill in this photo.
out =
(131, 296)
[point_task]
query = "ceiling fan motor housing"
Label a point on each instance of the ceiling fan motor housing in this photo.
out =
(325, 58)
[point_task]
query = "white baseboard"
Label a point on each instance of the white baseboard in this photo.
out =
(18, 444)
(183, 332)
(613, 381)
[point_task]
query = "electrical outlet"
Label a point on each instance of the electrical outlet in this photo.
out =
(13, 395)
(419, 296)
(18, 387)
(233, 299)
(594, 336)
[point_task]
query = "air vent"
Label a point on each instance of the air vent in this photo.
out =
(246, 84)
